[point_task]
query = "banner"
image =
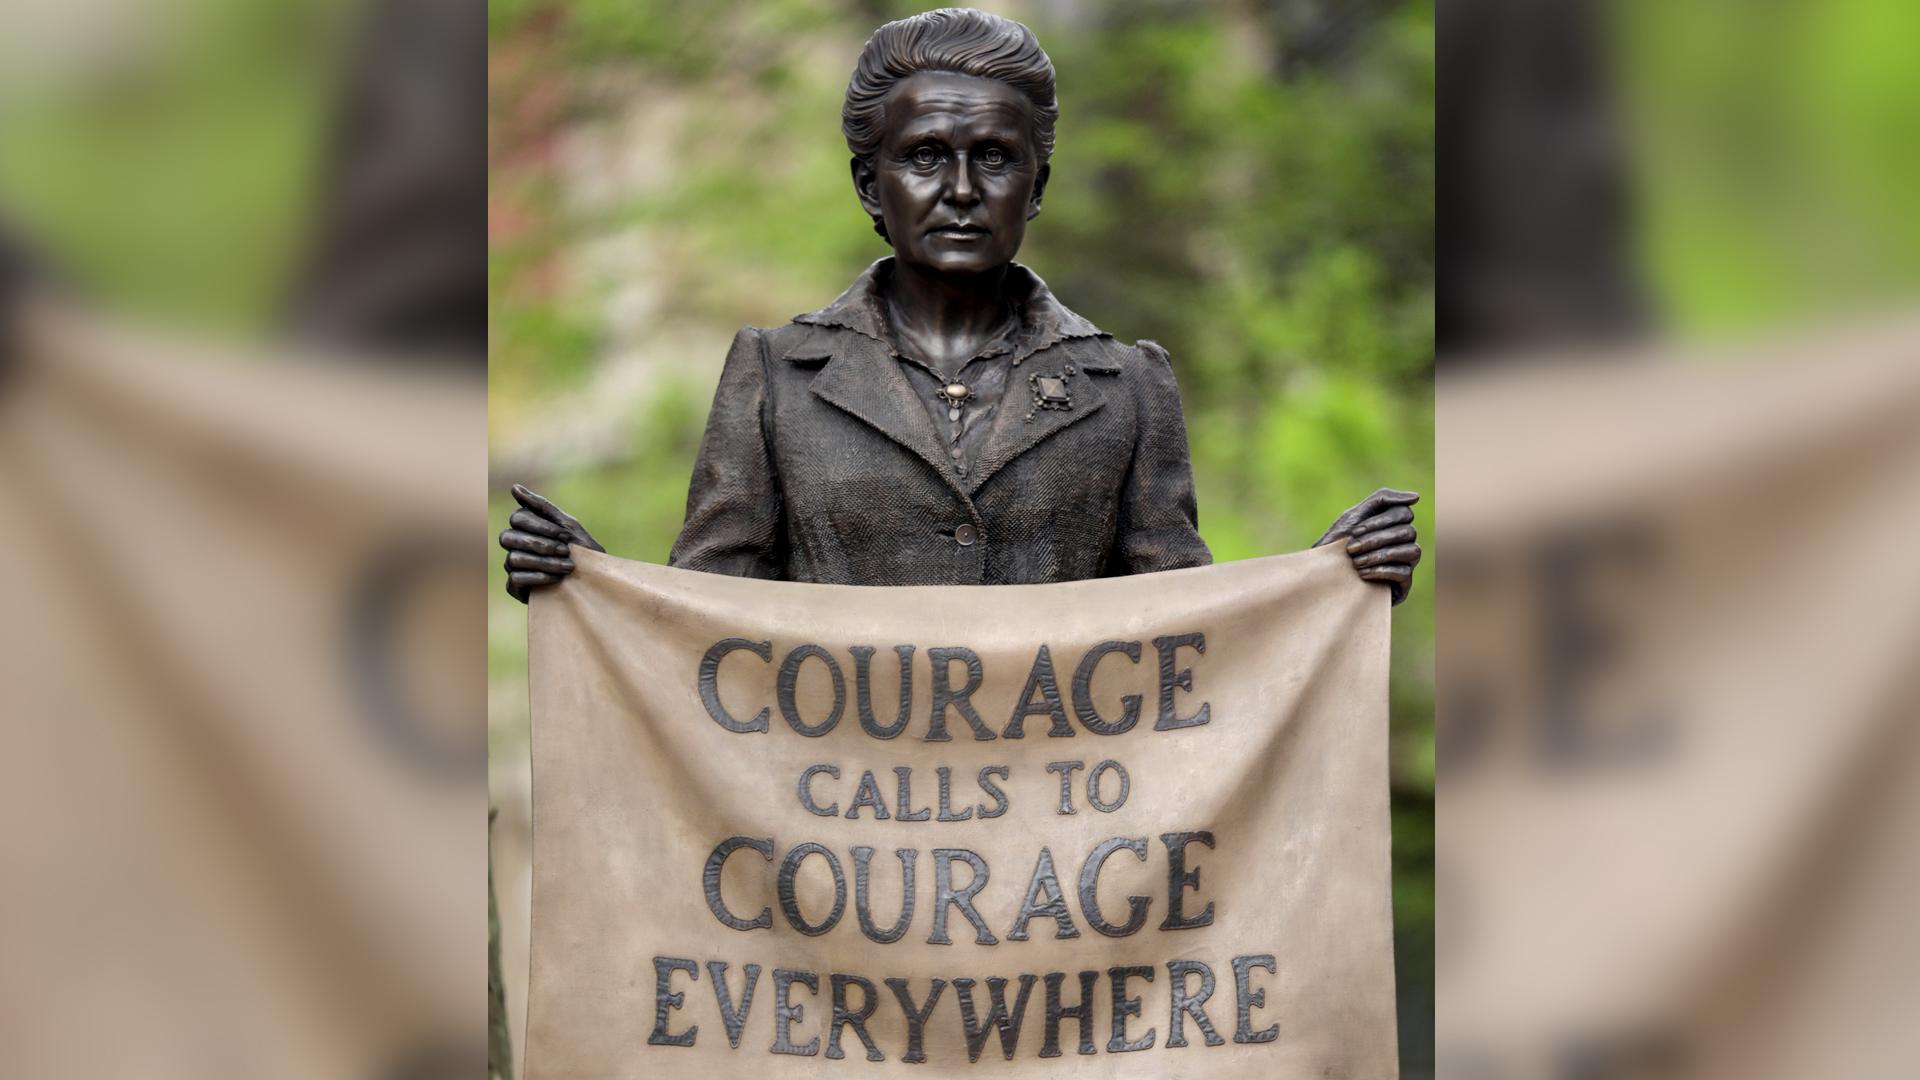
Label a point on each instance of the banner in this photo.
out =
(1135, 827)
(1680, 755)
(242, 797)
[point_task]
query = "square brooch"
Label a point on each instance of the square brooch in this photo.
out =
(1050, 392)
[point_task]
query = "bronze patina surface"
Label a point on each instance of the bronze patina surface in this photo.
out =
(890, 438)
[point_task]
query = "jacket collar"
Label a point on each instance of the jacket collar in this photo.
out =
(1044, 320)
(863, 377)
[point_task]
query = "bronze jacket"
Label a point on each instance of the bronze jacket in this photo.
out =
(821, 464)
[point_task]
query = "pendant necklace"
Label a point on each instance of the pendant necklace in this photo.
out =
(953, 392)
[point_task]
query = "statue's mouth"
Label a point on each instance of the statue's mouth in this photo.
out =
(961, 232)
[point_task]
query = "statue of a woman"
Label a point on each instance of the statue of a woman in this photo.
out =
(946, 421)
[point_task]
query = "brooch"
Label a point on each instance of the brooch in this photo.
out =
(1050, 392)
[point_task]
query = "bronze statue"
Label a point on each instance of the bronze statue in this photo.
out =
(946, 421)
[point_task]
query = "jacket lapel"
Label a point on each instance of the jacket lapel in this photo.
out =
(862, 378)
(1012, 433)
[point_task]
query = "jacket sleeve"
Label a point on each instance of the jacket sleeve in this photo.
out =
(734, 516)
(1159, 521)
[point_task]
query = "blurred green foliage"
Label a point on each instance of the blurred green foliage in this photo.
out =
(170, 163)
(1774, 158)
(1249, 184)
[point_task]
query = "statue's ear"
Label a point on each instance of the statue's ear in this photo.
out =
(1039, 190)
(866, 184)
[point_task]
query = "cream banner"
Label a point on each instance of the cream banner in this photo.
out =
(1135, 827)
(1678, 719)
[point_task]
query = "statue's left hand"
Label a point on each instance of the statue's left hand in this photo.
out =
(538, 541)
(1380, 539)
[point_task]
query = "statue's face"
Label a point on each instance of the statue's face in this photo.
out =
(956, 177)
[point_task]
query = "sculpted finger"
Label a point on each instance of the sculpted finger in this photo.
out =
(1399, 515)
(540, 505)
(528, 580)
(1376, 502)
(1365, 542)
(1344, 525)
(1398, 576)
(1401, 555)
(521, 560)
(528, 521)
(517, 540)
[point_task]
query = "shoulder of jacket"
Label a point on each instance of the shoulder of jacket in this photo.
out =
(801, 342)
(1110, 357)
(751, 337)
(1153, 351)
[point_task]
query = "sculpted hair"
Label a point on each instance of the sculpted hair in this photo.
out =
(960, 41)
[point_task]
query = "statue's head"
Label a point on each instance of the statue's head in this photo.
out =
(950, 115)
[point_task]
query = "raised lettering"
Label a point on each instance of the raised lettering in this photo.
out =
(1179, 881)
(944, 696)
(844, 1017)
(1090, 717)
(1171, 680)
(710, 682)
(735, 1021)
(863, 691)
(1185, 1005)
(790, 901)
(862, 857)
(666, 999)
(867, 794)
(1041, 680)
(1083, 1012)
(716, 862)
(1066, 770)
(1090, 888)
(790, 682)
(903, 806)
(945, 894)
(1093, 786)
(1008, 1023)
(1044, 897)
(916, 1016)
(1247, 999)
(806, 796)
(1124, 1006)
(1000, 803)
(946, 798)
(786, 1014)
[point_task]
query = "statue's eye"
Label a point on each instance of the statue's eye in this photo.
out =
(993, 156)
(925, 156)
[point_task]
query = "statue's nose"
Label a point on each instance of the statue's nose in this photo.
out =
(961, 190)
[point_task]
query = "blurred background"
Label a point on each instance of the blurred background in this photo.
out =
(1250, 184)
(242, 426)
(240, 259)
(168, 156)
(1679, 438)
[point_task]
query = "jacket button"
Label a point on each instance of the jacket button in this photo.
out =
(965, 535)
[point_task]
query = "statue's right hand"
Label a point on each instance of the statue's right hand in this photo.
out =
(537, 539)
